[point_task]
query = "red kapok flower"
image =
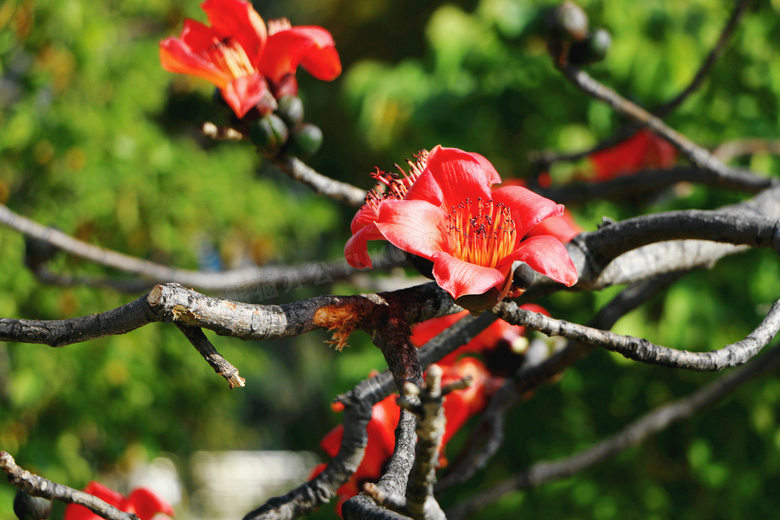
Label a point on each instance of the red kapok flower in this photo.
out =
(644, 149)
(471, 233)
(459, 406)
(141, 501)
(243, 59)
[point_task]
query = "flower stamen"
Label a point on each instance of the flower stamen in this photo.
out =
(395, 185)
(481, 232)
(231, 58)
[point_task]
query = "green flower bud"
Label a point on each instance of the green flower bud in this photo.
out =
(305, 140)
(269, 134)
(290, 109)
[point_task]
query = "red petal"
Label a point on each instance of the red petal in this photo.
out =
(198, 37)
(546, 255)
(414, 226)
(176, 56)
(146, 504)
(564, 228)
(310, 46)
(239, 20)
(459, 175)
(528, 208)
(460, 278)
(356, 249)
(625, 157)
(322, 61)
(332, 441)
(423, 332)
(77, 512)
(365, 216)
(242, 94)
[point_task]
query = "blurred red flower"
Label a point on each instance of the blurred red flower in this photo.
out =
(141, 501)
(644, 149)
(245, 60)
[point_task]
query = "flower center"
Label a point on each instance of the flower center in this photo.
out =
(231, 58)
(481, 232)
(395, 185)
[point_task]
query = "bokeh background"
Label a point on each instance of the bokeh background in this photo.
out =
(98, 140)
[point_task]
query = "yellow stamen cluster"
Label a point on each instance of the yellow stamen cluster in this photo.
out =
(231, 58)
(481, 232)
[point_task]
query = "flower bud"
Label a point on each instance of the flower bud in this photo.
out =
(305, 140)
(290, 110)
(269, 134)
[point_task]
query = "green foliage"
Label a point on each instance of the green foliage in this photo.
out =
(98, 140)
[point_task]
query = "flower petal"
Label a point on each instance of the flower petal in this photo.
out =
(546, 255)
(356, 249)
(176, 55)
(564, 228)
(108, 495)
(237, 19)
(415, 226)
(459, 176)
(310, 46)
(322, 61)
(146, 504)
(242, 94)
(365, 216)
(528, 208)
(460, 278)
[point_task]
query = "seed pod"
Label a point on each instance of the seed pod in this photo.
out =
(290, 110)
(269, 134)
(305, 140)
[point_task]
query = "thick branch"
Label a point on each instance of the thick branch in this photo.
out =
(629, 436)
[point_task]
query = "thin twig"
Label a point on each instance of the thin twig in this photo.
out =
(545, 159)
(640, 349)
(40, 487)
(220, 365)
(252, 282)
(696, 154)
(319, 183)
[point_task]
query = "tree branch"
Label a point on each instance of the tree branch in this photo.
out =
(44, 488)
(640, 349)
(337, 190)
(629, 436)
(545, 159)
(238, 283)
